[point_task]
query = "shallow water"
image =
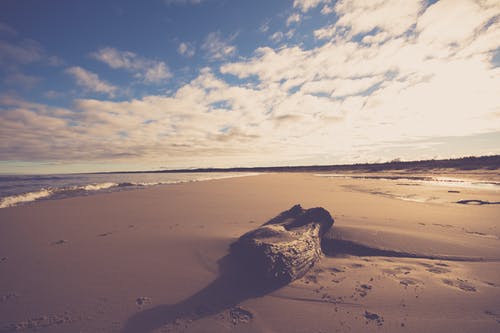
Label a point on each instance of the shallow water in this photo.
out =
(425, 180)
(19, 189)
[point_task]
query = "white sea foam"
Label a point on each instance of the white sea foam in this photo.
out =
(424, 180)
(63, 190)
(97, 187)
(464, 183)
(25, 197)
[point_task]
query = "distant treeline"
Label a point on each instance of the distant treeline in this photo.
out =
(464, 163)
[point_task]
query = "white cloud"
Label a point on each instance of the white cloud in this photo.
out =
(340, 87)
(217, 48)
(396, 88)
(147, 70)
(465, 16)
(186, 49)
(156, 73)
(188, 125)
(358, 100)
(327, 9)
(91, 81)
(264, 27)
(289, 34)
(306, 5)
(379, 37)
(118, 59)
(361, 16)
(293, 18)
(326, 32)
(277, 37)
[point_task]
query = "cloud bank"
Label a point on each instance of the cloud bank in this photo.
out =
(387, 77)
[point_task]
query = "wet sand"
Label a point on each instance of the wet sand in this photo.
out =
(403, 256)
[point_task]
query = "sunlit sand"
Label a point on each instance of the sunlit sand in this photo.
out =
(148, 260)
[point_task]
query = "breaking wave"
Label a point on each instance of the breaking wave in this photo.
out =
(69, 190)
(26, 197)
(46, 193)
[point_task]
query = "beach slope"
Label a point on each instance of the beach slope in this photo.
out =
(403, 255)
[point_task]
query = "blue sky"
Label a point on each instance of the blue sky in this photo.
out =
(122, 85)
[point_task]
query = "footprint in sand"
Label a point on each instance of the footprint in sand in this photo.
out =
(409, 282)
(397, 270)
(140, 301)
(425, 264)
(437, 268)
(338, 280)
(239, 315)
(373, 317)
(363, 289)
(310, 278)
(4, 259)
(460, 284)
(318, 290)
(59, 242)
(236, 315)
(335, 270)
(442, 264)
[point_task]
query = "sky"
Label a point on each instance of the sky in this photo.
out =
(159, 84)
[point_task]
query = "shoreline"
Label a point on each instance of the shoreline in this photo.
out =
(92, 186)
(140, 260)
(461, 178)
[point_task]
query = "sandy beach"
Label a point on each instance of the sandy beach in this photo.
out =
(147, 260)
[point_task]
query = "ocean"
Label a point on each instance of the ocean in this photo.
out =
(22, 189)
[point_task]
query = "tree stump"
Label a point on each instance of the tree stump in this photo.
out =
(284, 248)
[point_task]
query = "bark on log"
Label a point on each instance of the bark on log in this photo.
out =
(286, 247)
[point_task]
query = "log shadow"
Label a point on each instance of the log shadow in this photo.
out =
(235, 284)
(259, 262)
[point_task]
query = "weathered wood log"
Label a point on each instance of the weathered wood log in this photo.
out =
(286, 247)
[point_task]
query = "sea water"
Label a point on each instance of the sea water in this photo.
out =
(424, 180)
(21, 189)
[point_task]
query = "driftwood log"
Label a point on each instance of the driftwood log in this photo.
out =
(284, 248)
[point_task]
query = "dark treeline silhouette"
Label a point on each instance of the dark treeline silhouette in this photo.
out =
(464, 163)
